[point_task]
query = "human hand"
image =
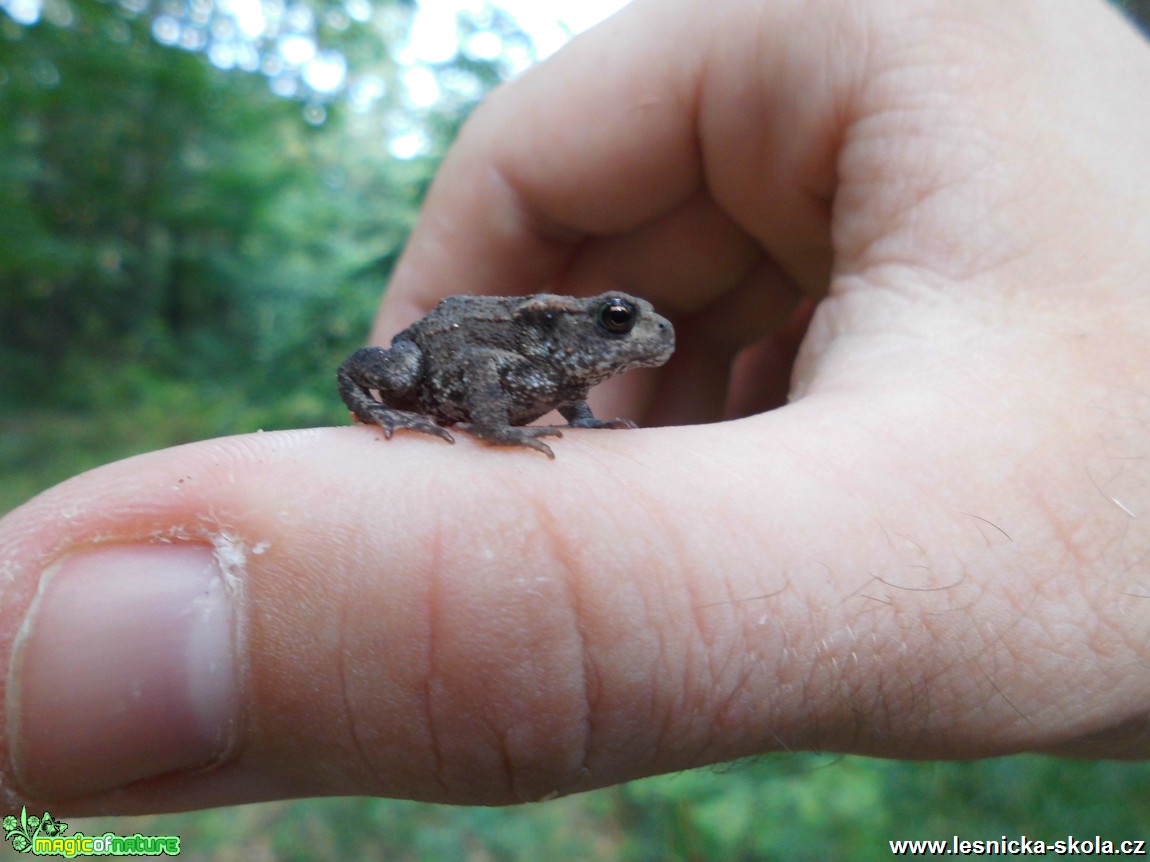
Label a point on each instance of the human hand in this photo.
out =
(936, 549)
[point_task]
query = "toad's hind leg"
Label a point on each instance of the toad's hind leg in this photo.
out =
(391, 373)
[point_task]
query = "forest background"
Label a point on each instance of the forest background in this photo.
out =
(199, 210)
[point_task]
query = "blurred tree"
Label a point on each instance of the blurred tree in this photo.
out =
(205, 185)
(114, 184)
(142, 195)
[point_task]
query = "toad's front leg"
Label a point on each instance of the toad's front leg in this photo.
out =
(578, 415)
(393, 373)
(487, 405)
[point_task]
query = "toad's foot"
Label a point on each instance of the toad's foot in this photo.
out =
(509, 435)
(389, 420)
(592, 422)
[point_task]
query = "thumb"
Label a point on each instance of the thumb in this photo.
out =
(323, 612)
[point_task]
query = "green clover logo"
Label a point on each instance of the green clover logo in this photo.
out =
(23, 829)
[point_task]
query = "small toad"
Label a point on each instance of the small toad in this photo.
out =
(492, 364)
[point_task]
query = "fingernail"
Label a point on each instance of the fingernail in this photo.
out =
(124, 669)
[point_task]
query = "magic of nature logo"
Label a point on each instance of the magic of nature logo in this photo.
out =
(45, 836)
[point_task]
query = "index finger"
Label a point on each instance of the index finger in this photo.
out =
(550, 160)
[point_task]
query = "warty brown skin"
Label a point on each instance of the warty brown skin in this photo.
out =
(492, 364)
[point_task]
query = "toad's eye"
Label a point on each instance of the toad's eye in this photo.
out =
(617, 316)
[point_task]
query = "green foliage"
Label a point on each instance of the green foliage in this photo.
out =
(183, 254)
(114, 185)
(156, 209)
(793, 807)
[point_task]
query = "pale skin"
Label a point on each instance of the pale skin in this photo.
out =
(940, 547)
